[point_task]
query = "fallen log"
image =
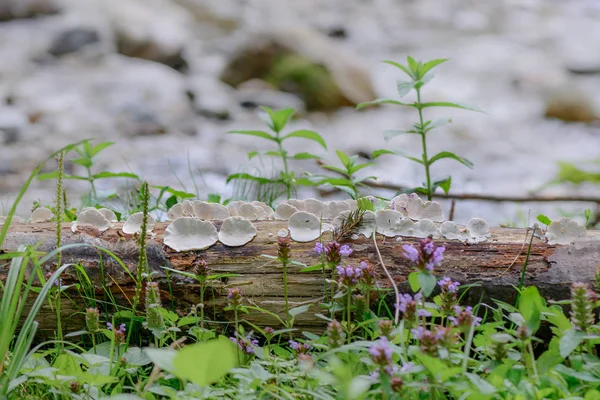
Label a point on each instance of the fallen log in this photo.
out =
(496, 264)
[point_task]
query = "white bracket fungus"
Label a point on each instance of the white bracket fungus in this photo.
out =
(269, 212)
(236, 231)
(304, 226)
(478, 230)
(387, 222)
(175, 212)
(414, 208)
(336, 208)
(317, 207)
(91, 217)
(41, 214)
(284, 211)
(134, 223)
(451, 231)
(425, 228)
(108, 214)
(209, 211)
(368, 224)
(188, 208)
(564, 231)
(189, 233)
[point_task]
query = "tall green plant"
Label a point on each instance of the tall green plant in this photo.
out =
(420, 74)
(277, 120)
(347, 181)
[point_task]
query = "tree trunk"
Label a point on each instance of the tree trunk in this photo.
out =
(496, 265)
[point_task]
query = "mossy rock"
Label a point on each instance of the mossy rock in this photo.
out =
(305, 63)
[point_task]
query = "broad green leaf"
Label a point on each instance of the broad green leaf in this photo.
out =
(305, 156)
(556, 316)
(85, 162)
(427, 282)
(171, 201)
(164, 358)
(178, 193)
(278, 119)
(449, 104)
(413, 66)
(414, 281)
(547, 361)
(445, 184)
(99, 147)
(571, 339)
(260, 134)
(375, 154)
(404, 87)
(207, 362)
(336, 169)
(306, 134)
(106, 174)
(365, 204)
(483, 386)
(426, 67)
(67, 364)
(387, 135)
(543, 219)
(447, 154)
(294, 312)
(531, 305)
(382, 101)
(346, 189)
(343, 157)
(248, 177)
(401, 67)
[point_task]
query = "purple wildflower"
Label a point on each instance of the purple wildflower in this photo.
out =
(300, 348)
(412, 307)
(234, 295)
(345, 250)
(464, 317)
(246, 344)
(426, 257)
(428, 340)
(411, 253)
(447, 285)
(319, 248)
(109, 326)
(348, 275)
(381, 352)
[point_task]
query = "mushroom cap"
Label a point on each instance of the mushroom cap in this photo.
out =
(189, 233)
(209, 211)
(298, 204)
(478, 230)
(450, 231)
(414, 208)
(91, 217)
(336, 208)
(284, 211)
(108, 214)
(564, 231)
(41, 214)
(317, 207)
(236, 231)
(368, 224)
(352, 203)
(175, 212)
(388, 221)
(234, 208)
(134, 223)
(269, 212)
(426, 227)
(304, 226)
(188, 208)
(250, 212)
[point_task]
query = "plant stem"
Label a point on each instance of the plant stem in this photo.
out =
(348, 313)
(288, 184)
(424, 145)
(202, 305)
(285, 296)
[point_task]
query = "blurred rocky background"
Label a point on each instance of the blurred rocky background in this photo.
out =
(166, 79)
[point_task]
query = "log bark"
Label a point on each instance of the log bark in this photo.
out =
(496, 265)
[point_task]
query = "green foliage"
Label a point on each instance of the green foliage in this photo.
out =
(346, 180)
(277, 120)
(420, 74)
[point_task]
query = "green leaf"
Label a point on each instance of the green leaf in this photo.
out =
(171, 201)
(273, 153)
(570, 341)
(106, 174)
(99, 147)
(483, 386)
(530, 307)
(260, 134)
(207, 362)
(382, 101)
(336, 169)
(294, 312)
(252, 154)
(343, 157)
(414, 67)
(443, 183)
(305, 156)
(588, 214)
(354, 169)
(427, 282)
(278, 118)
(306, 134)
(179, 193)
(426, 67)
(543, 219)
(54, 175)
(387, 135)
(414, 281)
(404, 87)
(437, 123)
(365, 204)
(86, 162)
(312, 268)
(376, 153)
(448, 154)
(248, 177)
(450, 104)
(164, 358)
(401, 67)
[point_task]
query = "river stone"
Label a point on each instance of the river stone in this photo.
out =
(73, 40)
(304, 62)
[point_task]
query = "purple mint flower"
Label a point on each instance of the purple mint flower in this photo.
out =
(122, 327)
(418, 332)
(345, 250)
(410, 253)
(348, 275)
(381, 352)
(109, 326)
(421, 312)
(319, 248)
(407, 367)
(294, 345)
(429, 248)
(446, 284)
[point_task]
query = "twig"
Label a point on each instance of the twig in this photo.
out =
(389, 276)
(478, 197)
